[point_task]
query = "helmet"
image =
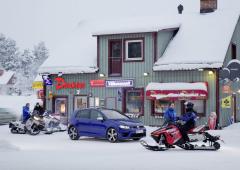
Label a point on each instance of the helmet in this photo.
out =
(189, 104)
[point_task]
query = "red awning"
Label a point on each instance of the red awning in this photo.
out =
(177, 91)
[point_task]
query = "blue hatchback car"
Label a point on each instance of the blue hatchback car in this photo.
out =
(104, 123)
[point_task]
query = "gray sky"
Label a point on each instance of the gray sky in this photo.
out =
(31, 21)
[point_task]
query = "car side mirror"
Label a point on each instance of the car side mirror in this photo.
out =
(100, 119)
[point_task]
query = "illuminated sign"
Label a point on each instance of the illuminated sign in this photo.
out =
(97, 83)
(37, 85)
(61, 84)
(119, 83)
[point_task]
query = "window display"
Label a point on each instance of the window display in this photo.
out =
(134, 101)
(80, 102)
(60, 108)
(160, 106)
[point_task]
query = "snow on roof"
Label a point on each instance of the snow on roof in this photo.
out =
(201, 42)
(6, 77)
(76, 54)
(137, 24)
(177, 86)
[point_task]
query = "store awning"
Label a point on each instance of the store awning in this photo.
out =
(177, 91)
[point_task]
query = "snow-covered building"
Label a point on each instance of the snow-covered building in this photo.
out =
(140, 65)
(7, 80)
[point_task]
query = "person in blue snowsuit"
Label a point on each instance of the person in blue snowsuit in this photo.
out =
(26, 113)
(170, 114)
(189, 119)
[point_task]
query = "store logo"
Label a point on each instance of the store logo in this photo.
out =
(61, 84)
(119, 83)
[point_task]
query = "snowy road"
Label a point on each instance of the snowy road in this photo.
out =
(57, 151)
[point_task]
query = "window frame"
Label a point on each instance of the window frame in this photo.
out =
(110, 42)
(125, 49)
(141, 90)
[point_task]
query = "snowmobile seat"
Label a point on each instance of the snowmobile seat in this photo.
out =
(197, 129)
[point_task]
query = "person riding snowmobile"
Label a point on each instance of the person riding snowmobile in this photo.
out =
(38, 109)
(189, 119)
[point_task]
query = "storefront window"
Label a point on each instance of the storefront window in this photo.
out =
(94, 102)
(134, 101)
(160, 106)
(199, 106)
(80, 102)
(60, 108)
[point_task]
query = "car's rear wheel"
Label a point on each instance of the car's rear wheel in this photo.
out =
(73, 133)
(112, 135)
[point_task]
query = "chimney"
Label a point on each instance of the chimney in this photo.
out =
(180, 8)
(207, 6)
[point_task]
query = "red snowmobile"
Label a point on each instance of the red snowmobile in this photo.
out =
(168, 136)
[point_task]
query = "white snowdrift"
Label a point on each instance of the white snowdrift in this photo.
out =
(57, 151)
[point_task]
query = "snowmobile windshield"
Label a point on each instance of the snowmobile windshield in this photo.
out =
(113, 114)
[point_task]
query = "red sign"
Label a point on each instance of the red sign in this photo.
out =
(97, 83)
(61, 84)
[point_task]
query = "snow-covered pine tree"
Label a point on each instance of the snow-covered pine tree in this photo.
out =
(9, 54)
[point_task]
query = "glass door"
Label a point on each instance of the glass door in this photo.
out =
(60, 109)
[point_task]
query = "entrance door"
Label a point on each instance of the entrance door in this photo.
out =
(80, 102)
(111, 103)
(60, 108)
(115, 58)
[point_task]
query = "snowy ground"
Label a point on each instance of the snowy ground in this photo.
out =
(57, 151)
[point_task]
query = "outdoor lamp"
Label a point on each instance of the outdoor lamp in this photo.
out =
(145, 74)
(210, 72)
(101, 75)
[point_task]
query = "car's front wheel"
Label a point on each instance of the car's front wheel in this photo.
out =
(112, 135)
(73, 133)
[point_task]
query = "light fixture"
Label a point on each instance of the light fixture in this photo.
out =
(210, 72)
(200, 69)
(238, 91)
(101, 75)
(145, 74)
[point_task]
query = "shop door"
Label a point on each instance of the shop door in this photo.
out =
(111, 103)
(115, 58)
(60, 108)
(80, 102)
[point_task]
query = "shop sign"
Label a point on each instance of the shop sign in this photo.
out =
(46, 79)
(97, 83)
(62, 84)
(37, 85)
(226, 89)
(226, 102)
(119, 83)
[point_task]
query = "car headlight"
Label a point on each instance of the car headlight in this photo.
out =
(124, 127)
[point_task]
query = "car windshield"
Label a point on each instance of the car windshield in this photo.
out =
(112, 114)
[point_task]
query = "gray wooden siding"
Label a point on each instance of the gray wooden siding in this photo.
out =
(225, 114)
